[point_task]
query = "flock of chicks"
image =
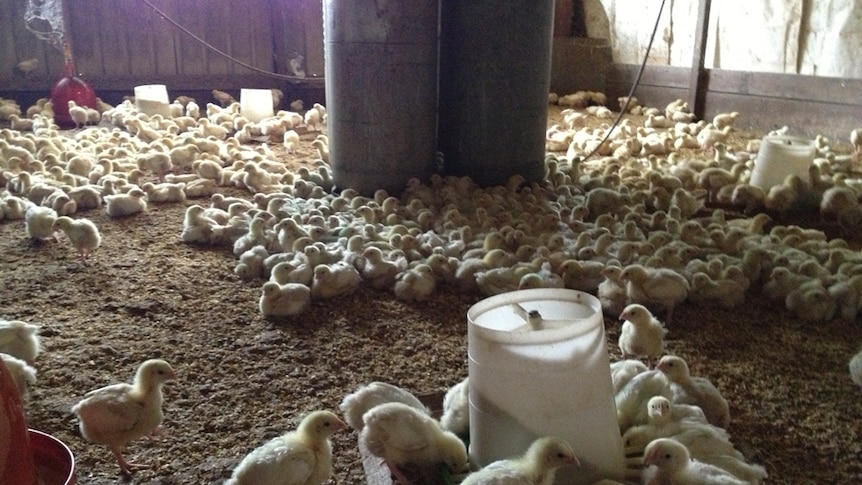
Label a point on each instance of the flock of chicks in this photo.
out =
(627, 225)
(671, 423)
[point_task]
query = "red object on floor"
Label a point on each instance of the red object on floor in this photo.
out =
(70, 88)
(55, 463)
(16, 459)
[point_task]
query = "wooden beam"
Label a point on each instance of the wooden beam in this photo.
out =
(696, 87)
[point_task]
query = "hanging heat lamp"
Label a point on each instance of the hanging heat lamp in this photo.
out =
(70, 88)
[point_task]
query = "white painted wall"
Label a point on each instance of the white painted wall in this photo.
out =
(813, 37)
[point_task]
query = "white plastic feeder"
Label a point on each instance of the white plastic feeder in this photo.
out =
(255, 104)
(152, 99)
(780, 156)
(539, 366)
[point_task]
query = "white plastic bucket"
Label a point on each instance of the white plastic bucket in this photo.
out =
(551, 380)
(780, 156)
(152, 99)
(255, 104)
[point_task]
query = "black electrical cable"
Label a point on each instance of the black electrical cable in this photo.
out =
(624, 109)
(222, 53)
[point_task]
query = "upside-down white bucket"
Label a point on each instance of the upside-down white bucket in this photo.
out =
(780, 156)
(255, 104)
(539, 366)
(152, 99)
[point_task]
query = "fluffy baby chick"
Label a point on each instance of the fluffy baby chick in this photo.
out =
(725, 119)
(28, 65)
(415, 284)
(78, 114)
(165, 192)
(283, 300)
(357, 403)
(82, 233)
(661, 412)
(312, 120)
(662, 287)
(836, 200)
(322, 148)
(673, 464)
(622, 371)
(39, 222)
(500, 280)
(856, 141)
(456, 409)
(856, 368)
(20, 339)
(695, 390)
(197, 227)
(122, 205)
(120, 413)
(612, 291)
(290, 140)
(334, 280)
(632, 398)
(409, 441)
(377, 271)
(300, 457)
(537, 466)
(725, 292)
(22, 373)
(642, 334)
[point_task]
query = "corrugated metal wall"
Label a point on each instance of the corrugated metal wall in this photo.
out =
(119, 44)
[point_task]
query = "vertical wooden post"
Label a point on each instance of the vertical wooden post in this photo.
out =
(697, 82)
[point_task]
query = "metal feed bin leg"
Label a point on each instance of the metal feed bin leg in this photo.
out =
(381, 91)
(495, 64)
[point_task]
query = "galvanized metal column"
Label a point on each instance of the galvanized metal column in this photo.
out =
(495, 63)
(381, 91)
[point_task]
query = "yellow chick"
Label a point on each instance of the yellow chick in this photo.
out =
(408, 440)
(698, 391)
(120, 413)
(300, 457)
(538, 465)
(642, 334)
(20, 339)
(82, 233)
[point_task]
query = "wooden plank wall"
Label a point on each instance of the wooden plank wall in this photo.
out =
(19, 44)
(123, 43)
(808, 105)
(119, 44)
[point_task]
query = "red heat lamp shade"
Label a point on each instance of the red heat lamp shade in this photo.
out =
(70, 88)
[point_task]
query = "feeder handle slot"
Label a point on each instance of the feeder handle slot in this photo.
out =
(533, 320)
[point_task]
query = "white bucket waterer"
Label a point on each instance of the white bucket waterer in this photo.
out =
(539, 366)
(152, 99)
(780, 156)
(255, 104)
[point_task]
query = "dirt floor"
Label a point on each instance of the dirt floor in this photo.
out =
(244, 379)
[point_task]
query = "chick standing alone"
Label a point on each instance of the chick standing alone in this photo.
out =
(117, 414)
(300, 457)
(537, 466)
(642, 334)
(82, 233)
